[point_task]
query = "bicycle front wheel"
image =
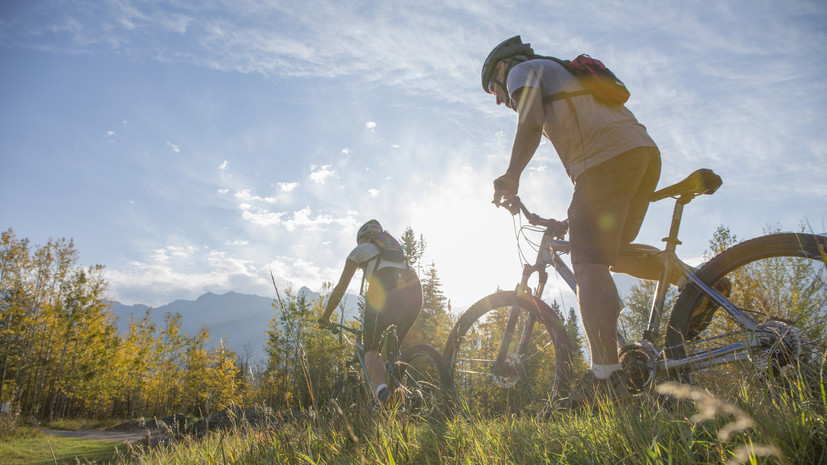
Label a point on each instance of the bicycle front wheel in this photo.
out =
(350, 394)
(529, 376)
(781, 281)
(420, 372)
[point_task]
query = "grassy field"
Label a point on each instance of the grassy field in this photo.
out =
(29, 446)
(700, 429)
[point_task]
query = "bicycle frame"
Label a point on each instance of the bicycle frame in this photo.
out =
(550, 254)
(358, 348)
(359, 353)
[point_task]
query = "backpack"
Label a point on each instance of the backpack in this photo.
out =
(599, 81)
(389, 248)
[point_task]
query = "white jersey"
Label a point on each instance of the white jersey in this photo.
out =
(365, 255)
(583, 131)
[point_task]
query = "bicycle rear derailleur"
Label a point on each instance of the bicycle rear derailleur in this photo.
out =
(780, 347)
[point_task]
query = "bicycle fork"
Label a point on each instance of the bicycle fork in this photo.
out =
(513, 316)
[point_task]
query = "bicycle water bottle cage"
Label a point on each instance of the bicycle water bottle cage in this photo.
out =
(702, 181)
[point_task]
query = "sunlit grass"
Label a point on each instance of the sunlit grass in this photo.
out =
(30, 446)
(696, 427)
(784, 423)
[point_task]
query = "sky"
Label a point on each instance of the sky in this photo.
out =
(196, 146)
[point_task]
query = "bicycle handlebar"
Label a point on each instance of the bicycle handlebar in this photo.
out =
(336, 328)
(557, 228)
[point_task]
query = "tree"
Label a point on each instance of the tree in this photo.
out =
(434, 323)
(303, 360)
(634, 318)
(572, 330)
(414, 248)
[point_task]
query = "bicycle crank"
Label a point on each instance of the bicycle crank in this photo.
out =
(640, 362)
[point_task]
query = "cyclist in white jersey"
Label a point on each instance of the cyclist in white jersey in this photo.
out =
(614, 166)
(393, 297)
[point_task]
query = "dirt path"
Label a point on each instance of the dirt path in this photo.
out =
(137, 435)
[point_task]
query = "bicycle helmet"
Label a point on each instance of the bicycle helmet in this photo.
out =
(509, 48)
(368, 231)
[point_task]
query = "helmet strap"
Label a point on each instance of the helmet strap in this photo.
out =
(509, 64)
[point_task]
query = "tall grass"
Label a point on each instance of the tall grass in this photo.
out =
(691, 427)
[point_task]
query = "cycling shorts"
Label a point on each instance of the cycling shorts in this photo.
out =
(394, 297)
(609, 203)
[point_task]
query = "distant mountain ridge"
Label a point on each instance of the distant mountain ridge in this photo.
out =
(238, 318)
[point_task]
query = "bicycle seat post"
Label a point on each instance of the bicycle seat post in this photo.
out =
(672, 242)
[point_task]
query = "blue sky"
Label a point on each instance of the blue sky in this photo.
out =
(194, 146)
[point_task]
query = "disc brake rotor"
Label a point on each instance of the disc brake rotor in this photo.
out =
(509, 376)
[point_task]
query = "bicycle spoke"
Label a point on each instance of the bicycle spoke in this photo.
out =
(780, 281)
(523, 381)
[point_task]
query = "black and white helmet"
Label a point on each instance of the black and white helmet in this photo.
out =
(368, 231)
(509, 48)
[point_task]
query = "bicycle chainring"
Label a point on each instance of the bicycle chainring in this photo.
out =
(640, 362)
(780, 347)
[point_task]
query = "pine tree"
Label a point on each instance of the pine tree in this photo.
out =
(572, 329)
(434, 322)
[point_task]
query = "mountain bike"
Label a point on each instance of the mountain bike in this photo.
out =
(510, 351)
(414, 376)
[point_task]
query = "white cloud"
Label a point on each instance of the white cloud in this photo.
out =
(370, 125)
(320, 174)
(177, 272)
(225, 165)
(245, 196)
(175, 148)
(373, 192)
(287, 186)
(345, 151)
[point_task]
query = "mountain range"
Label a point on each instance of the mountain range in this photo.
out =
(239, 319)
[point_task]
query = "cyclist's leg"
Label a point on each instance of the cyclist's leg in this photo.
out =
(372, 329)
(394, 298)
(607, 209)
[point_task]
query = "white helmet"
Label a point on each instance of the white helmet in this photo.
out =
(368, 231)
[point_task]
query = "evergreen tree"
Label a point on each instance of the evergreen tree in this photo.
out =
(413, 248)
(434, 322)
(635, 316)
(573, 331)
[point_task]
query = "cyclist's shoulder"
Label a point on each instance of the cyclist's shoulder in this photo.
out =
(364, 252)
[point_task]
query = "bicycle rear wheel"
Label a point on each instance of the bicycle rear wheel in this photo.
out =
(420, 371)
(528, 379)
(781, 281)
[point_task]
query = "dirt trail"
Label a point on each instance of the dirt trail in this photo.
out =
(136, 435)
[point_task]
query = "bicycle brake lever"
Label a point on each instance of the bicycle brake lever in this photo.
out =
(513, 205)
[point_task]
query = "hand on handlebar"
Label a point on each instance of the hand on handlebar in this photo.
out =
(505, 189)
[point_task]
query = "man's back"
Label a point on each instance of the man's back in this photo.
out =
(583, 131)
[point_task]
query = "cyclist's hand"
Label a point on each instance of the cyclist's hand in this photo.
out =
(324, 323)
(505, 188)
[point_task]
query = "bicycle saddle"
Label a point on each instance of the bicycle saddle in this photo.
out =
(702, 181)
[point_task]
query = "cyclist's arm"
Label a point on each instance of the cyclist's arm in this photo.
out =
(339, 290)
(526, 140)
